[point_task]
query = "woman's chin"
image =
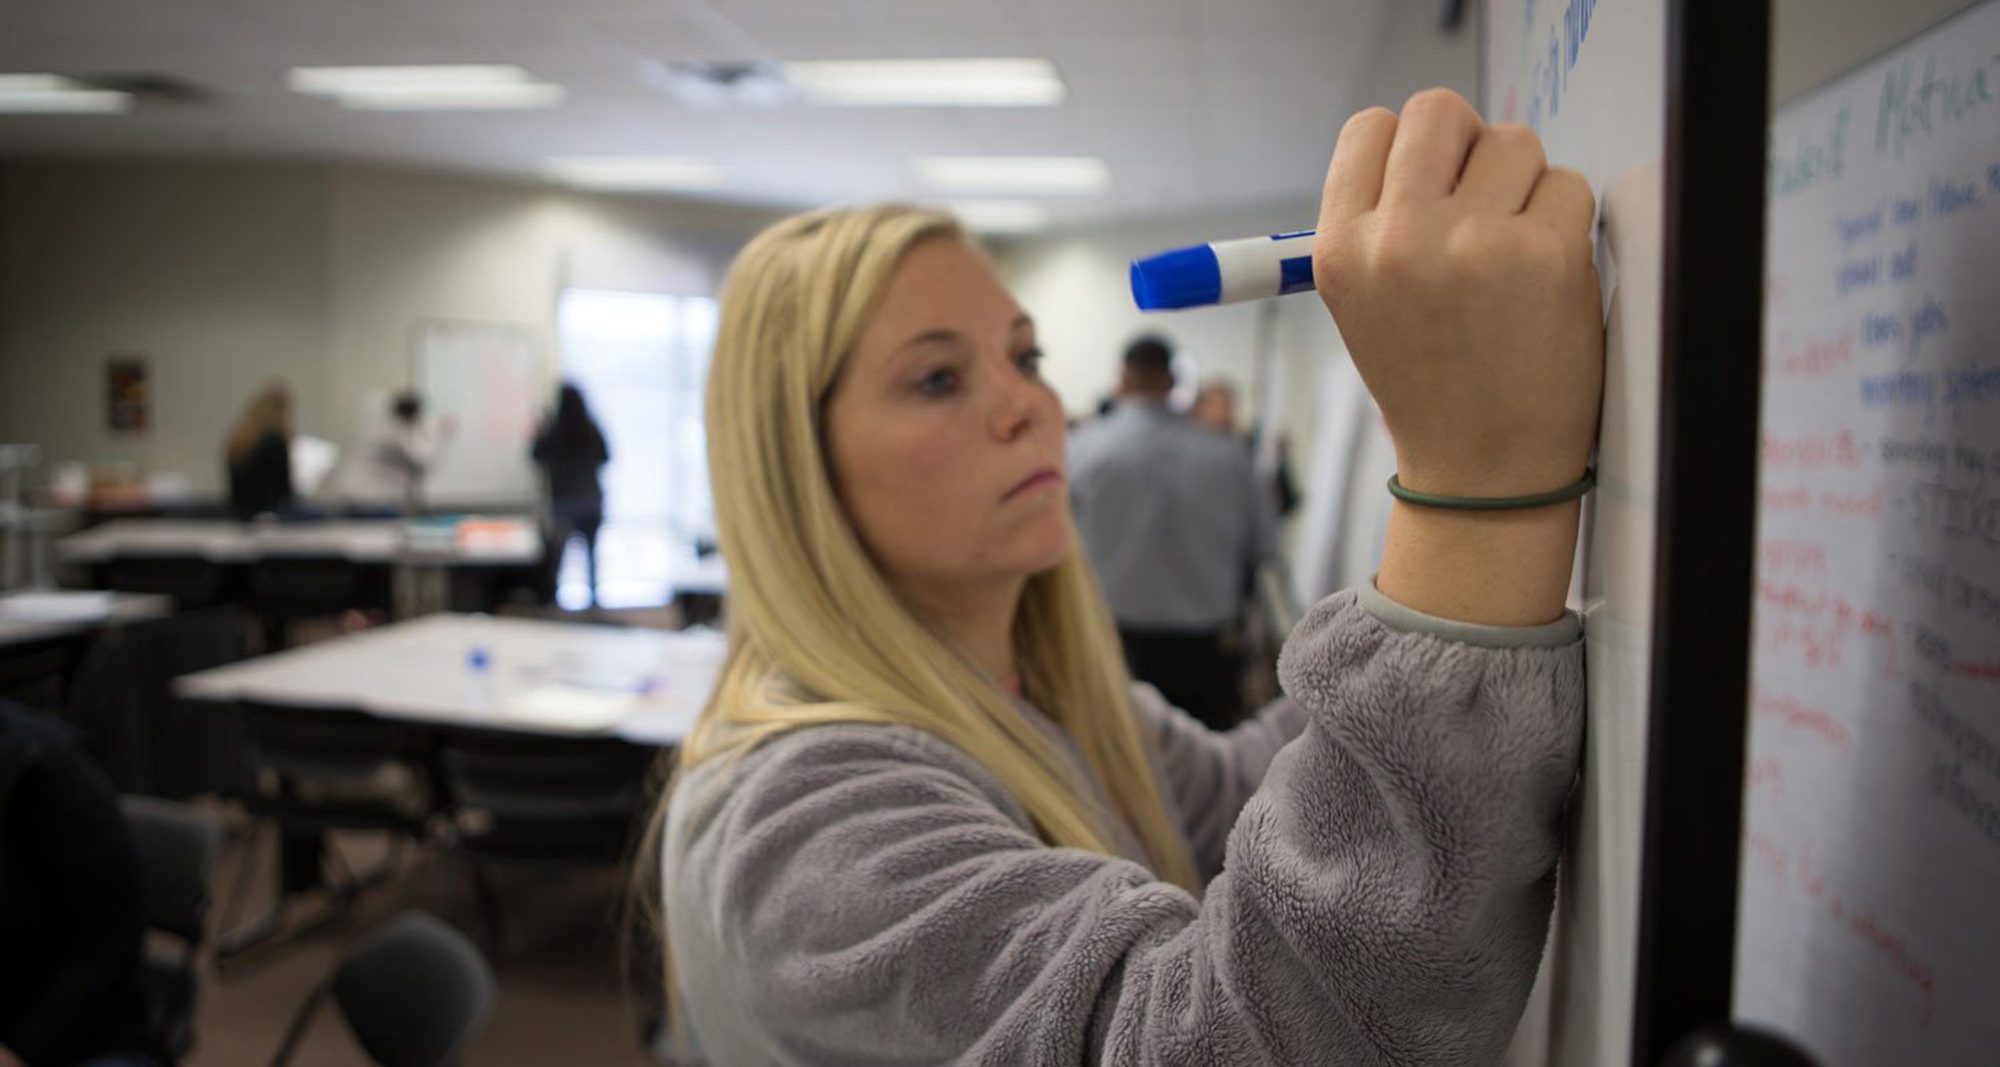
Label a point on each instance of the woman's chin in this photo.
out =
(1050, 553)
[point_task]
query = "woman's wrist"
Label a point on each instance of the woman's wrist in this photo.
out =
(1504, 568)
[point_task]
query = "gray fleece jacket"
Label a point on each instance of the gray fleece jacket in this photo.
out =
(1379, 848)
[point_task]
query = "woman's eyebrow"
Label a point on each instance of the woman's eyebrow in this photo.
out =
(939, 335)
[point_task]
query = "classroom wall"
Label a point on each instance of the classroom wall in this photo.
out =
(1075, 285)
(1814, 41)
(229, 274)
(217, 275)
(408, 246)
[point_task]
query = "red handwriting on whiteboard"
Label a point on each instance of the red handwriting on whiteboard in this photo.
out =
(1820, 643)
(1801, 557)
(1863, 505)
(1786, 499)
(1790, 598)
(1769, 851)
(1889, 950)
(1802, 716)
(1989, 671)
(1896, 954)
(1816, 357)
(1811, 451)
(1874, 624)
(1767, 775)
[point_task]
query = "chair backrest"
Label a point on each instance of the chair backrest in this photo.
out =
(547, 796)
(177, 847)
(415, 993)
(325, 742)
(305, 583)
(192, 581)
(149, 740)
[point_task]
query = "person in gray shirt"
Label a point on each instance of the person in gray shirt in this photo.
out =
(925, 817)
(1174, 519)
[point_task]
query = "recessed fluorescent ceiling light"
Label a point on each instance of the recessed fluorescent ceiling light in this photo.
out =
(637, 173)
(1001, 216)
(456, 87)
(1042, 174)
(55, 94)
(928, 82)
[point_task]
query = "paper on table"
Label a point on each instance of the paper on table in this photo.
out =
(313, 458)
(569, 707)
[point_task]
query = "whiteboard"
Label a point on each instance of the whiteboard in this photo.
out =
(1870, 884)
(1590, 78)
(489, 378)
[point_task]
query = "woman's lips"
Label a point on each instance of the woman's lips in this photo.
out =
(1041, 477)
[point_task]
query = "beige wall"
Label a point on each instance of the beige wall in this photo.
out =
(217, 275)
(1075, 286)
(1815, 41)
(227, 275)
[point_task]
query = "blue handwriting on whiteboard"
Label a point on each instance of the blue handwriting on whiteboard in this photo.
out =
(1854, 227)
(1911, 108)
(1810, 159)
(1857, 274)
(1902, 387)
(1903, 265)
(1549, 78)
(1950, 198)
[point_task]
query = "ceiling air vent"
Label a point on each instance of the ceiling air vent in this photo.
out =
(150, 88)
(707, 84)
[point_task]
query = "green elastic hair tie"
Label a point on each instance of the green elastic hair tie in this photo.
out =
(1503, 503)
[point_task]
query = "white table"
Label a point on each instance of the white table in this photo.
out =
(474, 542)
(40, 615)
(561, 678)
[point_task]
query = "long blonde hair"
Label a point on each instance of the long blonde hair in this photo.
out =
(270, 411)
(817, 634)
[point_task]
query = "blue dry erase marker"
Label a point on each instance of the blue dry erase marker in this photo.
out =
(1224, 272)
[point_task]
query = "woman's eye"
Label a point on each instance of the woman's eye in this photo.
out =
(1030, 362)
(939, 382)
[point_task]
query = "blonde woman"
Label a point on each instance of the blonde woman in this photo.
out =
(926, 819)
(259, 454)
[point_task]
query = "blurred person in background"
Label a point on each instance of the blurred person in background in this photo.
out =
(1173, 517)
(570, 449)
(259, 455)
(385, 473)
(1215, 406)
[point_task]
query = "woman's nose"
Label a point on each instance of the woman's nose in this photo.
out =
(1017, 408)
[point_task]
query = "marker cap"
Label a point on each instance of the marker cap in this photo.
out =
(1185, 277)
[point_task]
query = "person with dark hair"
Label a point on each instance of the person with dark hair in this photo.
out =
(259, 454)
(386, 471)
(570, 449)
(1173, 517)
(72, 915)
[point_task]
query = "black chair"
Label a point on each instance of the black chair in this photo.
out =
(37, 673)
(535, 799)
(193, 582)
(284, 589)
(149, 740)
(1723, 1045)
(321, 770)
(176, 847)
(414, 994)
